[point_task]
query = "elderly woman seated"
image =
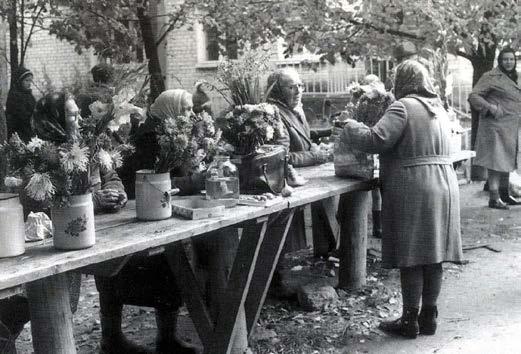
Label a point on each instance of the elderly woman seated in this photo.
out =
(285, 91)
(55, 119)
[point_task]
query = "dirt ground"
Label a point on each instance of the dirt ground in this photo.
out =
(479, 305)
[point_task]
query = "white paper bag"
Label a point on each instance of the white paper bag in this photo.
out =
(37, 227)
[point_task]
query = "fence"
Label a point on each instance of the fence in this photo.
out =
(324, 79)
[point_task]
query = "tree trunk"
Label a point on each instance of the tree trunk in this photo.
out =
(482, 61)
(157, 82)
(13, 40)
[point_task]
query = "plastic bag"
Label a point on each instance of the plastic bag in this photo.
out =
(38, 227)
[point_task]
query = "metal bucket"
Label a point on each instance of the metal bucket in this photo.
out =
(153, 191)
(12, 228)
(74, 224)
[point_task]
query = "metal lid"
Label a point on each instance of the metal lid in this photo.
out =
(5, 196)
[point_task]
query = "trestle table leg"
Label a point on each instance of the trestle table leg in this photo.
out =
(51, 317)
(352, 213)
(266, 263)
(230, 322)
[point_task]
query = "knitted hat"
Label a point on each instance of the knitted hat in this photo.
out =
(23, 73)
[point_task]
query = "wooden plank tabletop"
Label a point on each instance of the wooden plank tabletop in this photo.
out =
(121, 234)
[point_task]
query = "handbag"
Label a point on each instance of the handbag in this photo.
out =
(263, 171)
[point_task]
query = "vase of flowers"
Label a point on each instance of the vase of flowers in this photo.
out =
(57, 174)
(74, 223)
(186, 146)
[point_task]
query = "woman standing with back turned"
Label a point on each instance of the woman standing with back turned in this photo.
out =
(420, 195)
(497, 98)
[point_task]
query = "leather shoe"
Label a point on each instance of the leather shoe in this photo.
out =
(511, 200)
(497, 204)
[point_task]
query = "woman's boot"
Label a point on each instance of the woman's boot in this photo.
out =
(113, 341)
(167, 341)
(427, 320)
(406, 326)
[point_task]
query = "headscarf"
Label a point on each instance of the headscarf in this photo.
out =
(49, 118)
(169, 104)
(413, 78)
(275, 94)
(512, 74)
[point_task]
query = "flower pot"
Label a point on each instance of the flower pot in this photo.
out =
(153, 192)
(74, 224)
(12, 230)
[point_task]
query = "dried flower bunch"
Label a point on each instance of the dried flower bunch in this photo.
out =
(249, 126)
(242, 78)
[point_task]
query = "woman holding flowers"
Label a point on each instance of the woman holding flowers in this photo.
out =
(420, 194)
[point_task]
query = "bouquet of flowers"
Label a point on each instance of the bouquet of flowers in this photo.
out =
(51, 172)
(250, 126)
(47, 172)
(96, 132)
(186, 143)
(206, 141)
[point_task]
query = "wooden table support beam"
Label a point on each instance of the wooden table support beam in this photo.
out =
(352, 212)
(266, 263)
(232, 320)
(51, 317)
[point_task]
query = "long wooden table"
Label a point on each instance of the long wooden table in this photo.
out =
(43, 269)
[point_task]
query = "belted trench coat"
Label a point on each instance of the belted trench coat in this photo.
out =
(497, 135)
(420, 193)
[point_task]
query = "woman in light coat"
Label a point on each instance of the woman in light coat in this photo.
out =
(497, 98)
(420, 195)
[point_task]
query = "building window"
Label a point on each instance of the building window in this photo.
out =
(213, 48)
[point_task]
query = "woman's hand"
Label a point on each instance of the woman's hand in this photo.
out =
(110, 199)
(496, 111)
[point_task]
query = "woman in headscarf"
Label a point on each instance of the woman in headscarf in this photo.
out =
(497, 98)
(170, 103)
(55, 119)
(20, 105)
(146, 280)
(285, 92)
(420, 195)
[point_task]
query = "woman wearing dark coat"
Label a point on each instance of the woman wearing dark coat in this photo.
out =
(497, 98)
(420, 195)
(20, 105)
(56, 119)
(285, 92)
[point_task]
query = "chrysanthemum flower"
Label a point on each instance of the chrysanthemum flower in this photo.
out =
(99, 109)
(75, 159)
(40, 187)
(35, 143)
(105, 160)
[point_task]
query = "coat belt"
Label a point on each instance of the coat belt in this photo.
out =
(425, 160)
